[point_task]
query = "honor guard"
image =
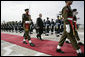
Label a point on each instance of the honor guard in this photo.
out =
(67, 14)
(44, 24)
(26, 20)
(47, 27)
(57, 26)
(75, 28)
(31, 27)
(61, 26)
(16, 28)
(52, 26)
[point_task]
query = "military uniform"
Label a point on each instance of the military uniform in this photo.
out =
(20, 26)
(26, 17)
(61, 26)
(44, 24)
(75, 28)
(31, 27)
(52, 26)
(68, 16)
(47, 27)
(57, 27)
(16, 26)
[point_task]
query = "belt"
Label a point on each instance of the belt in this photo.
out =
(27, 21)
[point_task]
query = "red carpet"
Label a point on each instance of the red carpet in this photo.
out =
(46, 46)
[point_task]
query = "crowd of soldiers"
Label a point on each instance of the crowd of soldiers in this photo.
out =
(12, 26)
(49, 26)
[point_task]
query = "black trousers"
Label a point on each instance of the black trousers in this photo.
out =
(40, 31)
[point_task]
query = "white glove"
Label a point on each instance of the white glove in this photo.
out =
(68, 28)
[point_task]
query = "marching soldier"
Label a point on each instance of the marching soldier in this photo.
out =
(57, 26)
(47, 27)
(67, 14)
(75, 28)
(26, 20)
(52, 26)
(39, 23)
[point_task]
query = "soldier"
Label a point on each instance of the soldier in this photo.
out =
(12, 26)
(16, 26)
(26, 20)
(47, 27)
(44, 24)
(75, 28)
(20, 26)
(61, 26)
(68, 29)
(52, 26)
(57, 26)
(39, 23)
(31, 27)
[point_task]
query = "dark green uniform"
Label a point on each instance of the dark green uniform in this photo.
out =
(75, 28)
(26, 17)
(67, 12)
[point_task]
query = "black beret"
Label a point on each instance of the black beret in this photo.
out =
(26, 9)
(74, 10)
(67, 1)
(47, 17)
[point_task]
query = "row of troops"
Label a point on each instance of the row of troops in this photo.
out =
(48, 26)
(12, 26)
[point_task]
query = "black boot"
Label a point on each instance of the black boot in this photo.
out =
(59, 50)
(57, 35)
(67, 42)
(32, 45)
(80, 54)
(24, 42)
(41, 38)
(37, 36)
(80, 43)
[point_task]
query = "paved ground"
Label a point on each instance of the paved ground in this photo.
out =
(9, 49)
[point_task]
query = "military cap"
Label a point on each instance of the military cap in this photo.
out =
(26, 9)
(47, 17)
(67, 1)
(74, 10)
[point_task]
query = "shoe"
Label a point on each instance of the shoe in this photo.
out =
(60, 34)
(67, 42)
(80, 54)
(57, 35)
(41, 39)
(32, 45)
(51, 33)
(46, 34)
(80, 43)
(37, 37)
(24, 42)
(59, 50)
